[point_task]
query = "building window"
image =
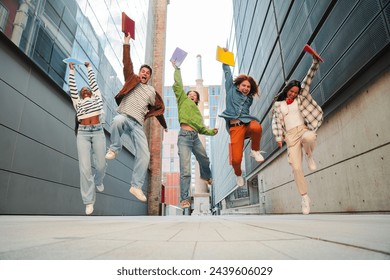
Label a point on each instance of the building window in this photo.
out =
(3, 17)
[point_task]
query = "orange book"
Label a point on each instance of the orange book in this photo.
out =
(128, 25)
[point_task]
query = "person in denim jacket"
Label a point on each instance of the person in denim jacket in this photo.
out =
(239, 122)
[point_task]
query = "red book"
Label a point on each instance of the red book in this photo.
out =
(128, 25)
(309, 49)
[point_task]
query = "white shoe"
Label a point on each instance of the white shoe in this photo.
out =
(311, 163)
(257, 155)
(100, 188)
(305, 204)
(110, 154)
(137, 192)
(89, 209)
(240, 181)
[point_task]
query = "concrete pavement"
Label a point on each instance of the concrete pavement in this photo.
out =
(271, 237)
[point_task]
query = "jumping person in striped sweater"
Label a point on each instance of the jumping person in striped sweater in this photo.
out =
(137, 101)
(90, 136)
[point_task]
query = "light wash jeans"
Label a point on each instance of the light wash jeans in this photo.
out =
(125, 124)
(188, 142)
(91, 148)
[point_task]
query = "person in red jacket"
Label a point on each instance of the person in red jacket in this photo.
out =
(137, 101)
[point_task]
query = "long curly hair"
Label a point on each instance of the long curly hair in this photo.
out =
(254, 87)
(283, 94)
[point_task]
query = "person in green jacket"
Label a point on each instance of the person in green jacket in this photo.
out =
(191, 124)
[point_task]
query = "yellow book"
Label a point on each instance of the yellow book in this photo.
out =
(225, 57)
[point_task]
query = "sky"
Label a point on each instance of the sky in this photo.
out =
(197, 27)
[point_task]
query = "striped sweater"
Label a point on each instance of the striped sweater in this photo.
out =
(88, 107)
(136, 103)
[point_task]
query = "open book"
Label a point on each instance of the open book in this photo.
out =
(178, 56)
(128, 25)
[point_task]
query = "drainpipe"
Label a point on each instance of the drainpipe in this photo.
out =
(20, 22)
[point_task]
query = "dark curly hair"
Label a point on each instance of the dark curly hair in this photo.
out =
(254, 87)
(283, 94)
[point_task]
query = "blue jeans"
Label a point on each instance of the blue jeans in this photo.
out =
(188, 142)
(125, 124)
(91, 147)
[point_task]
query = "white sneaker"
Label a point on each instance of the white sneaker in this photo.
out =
(305, 204)
(311, 163)
(137, 192)
(257, 155)
(89, 209)
(100, 188)
(110, 154)
(240, 181)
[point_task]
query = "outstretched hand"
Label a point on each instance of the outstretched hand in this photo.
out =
(280, 144)
(71, 65)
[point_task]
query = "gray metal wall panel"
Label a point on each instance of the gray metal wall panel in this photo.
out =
(11, 106)
(7, 146)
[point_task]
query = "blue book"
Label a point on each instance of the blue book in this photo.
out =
(71, 59)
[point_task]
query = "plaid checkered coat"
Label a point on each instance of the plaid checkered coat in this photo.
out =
(310, 110)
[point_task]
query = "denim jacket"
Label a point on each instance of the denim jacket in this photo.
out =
(237, 104)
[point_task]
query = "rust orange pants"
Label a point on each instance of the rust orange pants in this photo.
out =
(238, 134)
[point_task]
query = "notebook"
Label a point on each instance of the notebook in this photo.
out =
(225, 57)
(128, 25)
(71, 59)
(310, 50)
(178, 56)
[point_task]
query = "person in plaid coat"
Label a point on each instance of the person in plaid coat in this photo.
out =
(296, 116)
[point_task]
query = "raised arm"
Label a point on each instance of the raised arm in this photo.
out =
(306, 83)
(72, 86)
(228, 77)
(178, 85)
(92, 80)
(128, 70)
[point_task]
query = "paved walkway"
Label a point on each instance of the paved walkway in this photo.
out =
(271, 237)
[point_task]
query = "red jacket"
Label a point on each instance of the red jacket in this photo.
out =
(131, 81)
